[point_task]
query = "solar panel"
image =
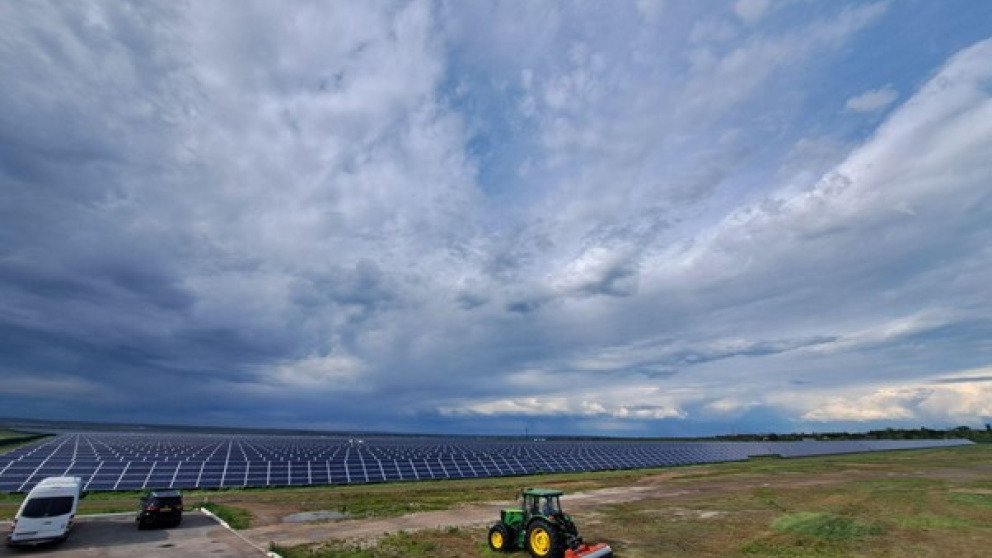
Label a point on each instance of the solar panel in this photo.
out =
(101, 484)
(116, 460)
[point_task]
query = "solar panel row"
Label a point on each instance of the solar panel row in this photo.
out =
(119, 461)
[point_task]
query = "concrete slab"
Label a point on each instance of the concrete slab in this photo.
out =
(117, 537)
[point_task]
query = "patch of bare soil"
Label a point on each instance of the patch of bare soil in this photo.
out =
(265, 513)
(291, 534)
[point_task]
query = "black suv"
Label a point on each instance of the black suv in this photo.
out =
(160, 507)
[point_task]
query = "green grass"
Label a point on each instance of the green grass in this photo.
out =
(237, 518)
(928, 521)
(789, 549)
(900, 510)
(979, 500)
(393, 499)
(12, 439)
(824, 526)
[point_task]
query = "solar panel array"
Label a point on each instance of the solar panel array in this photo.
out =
(128, 461)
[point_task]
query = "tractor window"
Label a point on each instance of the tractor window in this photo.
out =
(552, 506)
(535, 505)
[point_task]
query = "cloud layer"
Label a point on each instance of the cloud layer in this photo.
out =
(643, 218)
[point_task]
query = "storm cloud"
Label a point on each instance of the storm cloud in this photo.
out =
(632, 218)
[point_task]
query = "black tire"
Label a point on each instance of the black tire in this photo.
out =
(543, 540)
(501, 538)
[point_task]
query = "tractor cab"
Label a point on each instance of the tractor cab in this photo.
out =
(541, 503)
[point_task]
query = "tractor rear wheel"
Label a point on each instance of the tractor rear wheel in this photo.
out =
(501, 538)
(543, 540)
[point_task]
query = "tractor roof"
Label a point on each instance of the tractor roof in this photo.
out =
(542, 492)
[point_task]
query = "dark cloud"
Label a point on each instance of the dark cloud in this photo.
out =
(524, 306)
(619, 280)
(378, 216)
(468, 300)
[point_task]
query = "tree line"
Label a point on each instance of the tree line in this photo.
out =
(923, 433)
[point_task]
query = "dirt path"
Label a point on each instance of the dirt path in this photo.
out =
(466, 515)
(291, 534)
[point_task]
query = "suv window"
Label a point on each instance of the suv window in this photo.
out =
(48, 507)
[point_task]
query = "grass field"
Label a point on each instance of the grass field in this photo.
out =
(373, 500)
(919, 503)
(903, 504)
(6, 435)
(12, 439)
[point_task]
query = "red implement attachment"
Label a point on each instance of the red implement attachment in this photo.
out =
(601, 550)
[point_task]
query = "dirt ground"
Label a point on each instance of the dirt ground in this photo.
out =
(269, 527)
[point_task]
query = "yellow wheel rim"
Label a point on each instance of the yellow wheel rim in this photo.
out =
(496, 538)
(540, 542)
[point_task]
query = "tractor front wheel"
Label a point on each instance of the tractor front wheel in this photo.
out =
(543, 540)
(500, 538)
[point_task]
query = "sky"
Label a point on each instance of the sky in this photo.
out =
(629, 218)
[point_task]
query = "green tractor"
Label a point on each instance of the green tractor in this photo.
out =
(542, 528)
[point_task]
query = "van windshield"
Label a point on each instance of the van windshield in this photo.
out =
(48, 507)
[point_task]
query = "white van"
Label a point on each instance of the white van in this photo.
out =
(47, 513)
